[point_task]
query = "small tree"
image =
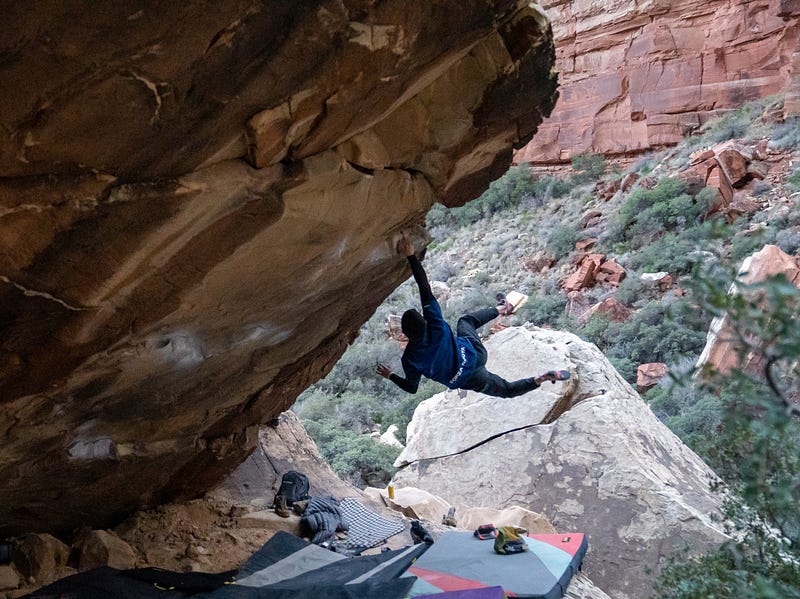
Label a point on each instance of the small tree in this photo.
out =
(757, 447)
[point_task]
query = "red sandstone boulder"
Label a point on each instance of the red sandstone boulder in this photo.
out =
(592, 269)
(649, 375)
(577, 306)
(610, 272)
(610, 309)
(720, 354)
(590, 218)
(628, 181)
(538, 262)
(733, 159)
(740, 206)
(581, 278)
(164, 196)
(718, 181)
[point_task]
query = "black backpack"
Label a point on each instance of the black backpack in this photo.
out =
(294, 487)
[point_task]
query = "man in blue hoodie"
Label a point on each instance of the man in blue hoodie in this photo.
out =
(457, 361)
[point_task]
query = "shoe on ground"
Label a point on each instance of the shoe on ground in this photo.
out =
(280, 506)
(450, 518)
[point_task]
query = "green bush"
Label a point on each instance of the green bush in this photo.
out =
(788, 240)
(588, 167)
(755, 448)
(731, 571)
(744, 245)
(667, 206)
(793, 180)
(689, 412)
(545, 309)
(787, 135)
(632, 290)
(547, 187)
(649, 335)
(516, 186)
(356, 458)
(562, 239)
(671, 252)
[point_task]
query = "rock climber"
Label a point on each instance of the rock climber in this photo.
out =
(458, 360)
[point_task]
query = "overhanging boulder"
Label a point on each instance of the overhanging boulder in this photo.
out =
(198, 210)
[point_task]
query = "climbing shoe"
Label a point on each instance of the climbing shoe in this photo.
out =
(450, 518)
(485, 531)
(557, 375)
(280, 506)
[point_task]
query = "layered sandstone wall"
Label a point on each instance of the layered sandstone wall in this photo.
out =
(640, 74)
(198, 210)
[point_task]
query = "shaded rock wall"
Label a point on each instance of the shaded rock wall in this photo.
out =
(588, 454)
(640, 74)
(198, 210)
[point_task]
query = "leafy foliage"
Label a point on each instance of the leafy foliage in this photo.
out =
(787, 135)
(588, 167)
(563, 238)
(647, 336)
(515, 187)
(666, 207)
(756, 447)
(794, 180)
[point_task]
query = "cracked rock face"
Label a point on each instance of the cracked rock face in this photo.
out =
(198, 210)
(588, 454)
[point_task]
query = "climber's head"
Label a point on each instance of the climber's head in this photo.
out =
(413, 325)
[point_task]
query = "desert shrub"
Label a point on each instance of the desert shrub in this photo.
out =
(468, 301)
(445, 268)
(667, 206)
(544, 309)
(671, 252)
(786, 136)
(788, 240)
(562, 239)
(793, 180)
(733, 571)
(588, 167)
(649, 335)
(744, 245)
(761, 187)
(690, 412)
(516, 187)
(731, 125)
(547, 187)
(356, 458)
(632, 290)
(744, 121)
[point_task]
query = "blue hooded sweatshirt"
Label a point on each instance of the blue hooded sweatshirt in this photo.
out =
(440, 355)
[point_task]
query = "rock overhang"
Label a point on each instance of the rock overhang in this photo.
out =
(198, 211)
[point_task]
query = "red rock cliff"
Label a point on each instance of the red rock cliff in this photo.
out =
(636, 75)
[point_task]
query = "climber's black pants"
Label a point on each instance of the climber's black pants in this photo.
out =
(482, 380)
